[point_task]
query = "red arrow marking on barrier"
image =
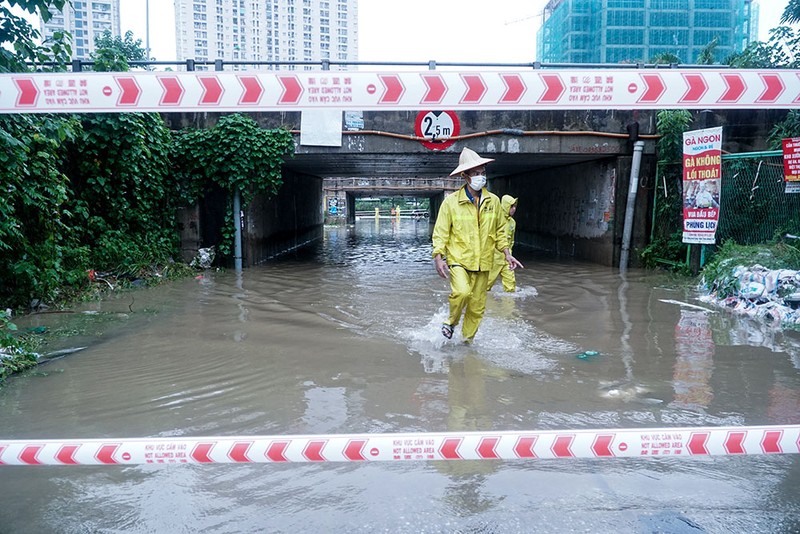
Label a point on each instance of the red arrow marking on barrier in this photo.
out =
(28, 93)
(173, 90)
(524, 447)
(697, 443)
(774, 88)
(275, 451)
(354, 449)
(734, 442)
(561, 446)
(655, 87)
(735, 88)
(291, 90)
(515, 88)
(449, 448)
(28, 454)
(238, 452)
(602, 445)
(697, 87)
(486, 448)
(313, 451)
(201, 451)
(393, 89)
(212, 90)
(106, 454)
(66, 454)
(555, 88)
(252, 89)
(436, 89)
(475, 88)
(796, 100)
(1, 455)
(130, 91)
(771, 442)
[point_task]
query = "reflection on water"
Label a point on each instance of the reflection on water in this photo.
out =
(343, 337)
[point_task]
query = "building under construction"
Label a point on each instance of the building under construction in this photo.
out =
(632, 31)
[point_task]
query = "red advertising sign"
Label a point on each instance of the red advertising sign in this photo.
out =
(702, 180)
(791, 159)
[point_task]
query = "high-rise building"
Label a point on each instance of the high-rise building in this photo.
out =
(267, 30)
(614, 31)
(85, 21)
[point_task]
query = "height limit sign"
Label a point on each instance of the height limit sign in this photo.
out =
(438, 128)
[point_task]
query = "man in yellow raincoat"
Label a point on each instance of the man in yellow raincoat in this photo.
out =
(468, 230)
(508, 206)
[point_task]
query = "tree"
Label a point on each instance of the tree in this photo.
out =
(113, 54)
(19, 40)
(791, 12)
(706, 55)
(665, 58)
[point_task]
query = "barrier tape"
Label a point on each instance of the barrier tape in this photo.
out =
(631, 443)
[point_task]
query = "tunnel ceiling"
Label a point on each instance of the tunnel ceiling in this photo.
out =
(427, 165)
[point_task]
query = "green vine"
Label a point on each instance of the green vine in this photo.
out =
(235, 154)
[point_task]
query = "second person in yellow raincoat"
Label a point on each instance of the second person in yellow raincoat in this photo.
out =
(467, 232)
(508, 206)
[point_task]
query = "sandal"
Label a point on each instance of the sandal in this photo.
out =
(447, 330)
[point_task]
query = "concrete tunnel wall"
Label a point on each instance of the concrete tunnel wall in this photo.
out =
(579, 210)
(289, 220)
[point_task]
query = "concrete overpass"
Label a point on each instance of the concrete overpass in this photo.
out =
(570, 170)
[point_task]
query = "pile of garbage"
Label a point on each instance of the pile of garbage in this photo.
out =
(772, 296)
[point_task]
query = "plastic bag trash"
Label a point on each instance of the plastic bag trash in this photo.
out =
(204, 258)
(752, 290)
(587, 354)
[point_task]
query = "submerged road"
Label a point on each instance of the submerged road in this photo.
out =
(344, 338)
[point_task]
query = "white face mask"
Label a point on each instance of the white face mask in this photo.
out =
(477, 182)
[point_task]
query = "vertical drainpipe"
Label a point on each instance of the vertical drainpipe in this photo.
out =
(638, 146)
(237, 236)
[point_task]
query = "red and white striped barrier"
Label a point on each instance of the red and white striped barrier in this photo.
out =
(544, 89)
(630, 443)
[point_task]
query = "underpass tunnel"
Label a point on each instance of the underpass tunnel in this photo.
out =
(569, 170)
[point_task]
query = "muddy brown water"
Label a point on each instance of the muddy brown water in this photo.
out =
(343, 338)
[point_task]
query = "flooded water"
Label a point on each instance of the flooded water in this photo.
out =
(344, 338)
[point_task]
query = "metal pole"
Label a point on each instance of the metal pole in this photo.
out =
(638, 146)
(237, 236)
(147, 27)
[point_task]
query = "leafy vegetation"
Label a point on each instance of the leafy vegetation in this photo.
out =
(92, 199)
(20, 49)
(233, 155)
(16, 353)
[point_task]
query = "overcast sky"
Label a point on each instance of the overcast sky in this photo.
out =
(474, 31)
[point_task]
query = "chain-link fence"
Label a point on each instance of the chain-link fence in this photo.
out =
(754, 207)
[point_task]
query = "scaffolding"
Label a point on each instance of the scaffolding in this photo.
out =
(633, 31)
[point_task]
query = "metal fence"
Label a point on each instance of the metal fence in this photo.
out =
(754, 207)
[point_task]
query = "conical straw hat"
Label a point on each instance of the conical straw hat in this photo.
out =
(469, 159)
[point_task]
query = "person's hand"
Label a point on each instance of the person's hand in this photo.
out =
(441, 266)
(513, 263)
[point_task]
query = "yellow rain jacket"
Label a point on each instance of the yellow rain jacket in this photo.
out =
(463, 237)
(509, 224)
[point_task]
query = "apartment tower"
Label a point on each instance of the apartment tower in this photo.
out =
(85, 21)
(267, 30)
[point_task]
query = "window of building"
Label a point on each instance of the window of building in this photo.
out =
(669, 20)
(674, 37)
(677, 5)
(627, 17)
(627, 36)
